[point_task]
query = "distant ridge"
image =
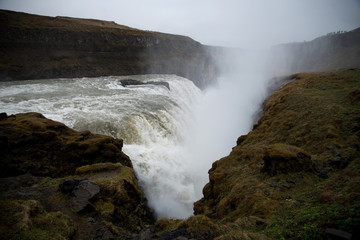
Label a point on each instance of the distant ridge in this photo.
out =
(326, 53)
(38, 47)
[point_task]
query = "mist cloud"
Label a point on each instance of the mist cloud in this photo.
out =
(240, 23)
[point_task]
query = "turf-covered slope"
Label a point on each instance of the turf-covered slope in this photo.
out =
(37, 47)
(57, 183)
(297, 172)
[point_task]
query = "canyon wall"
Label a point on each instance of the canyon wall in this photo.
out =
(39, 47)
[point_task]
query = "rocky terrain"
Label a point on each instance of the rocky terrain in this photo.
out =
(57, 183)
(294, 176)
(39, 47)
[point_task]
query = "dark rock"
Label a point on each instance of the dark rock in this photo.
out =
(286, 185)
(339, 162)
(146, 235)
(101, 232)
(335, 234)
(291, 182)
(90, 220)
(67, 186)
(279, 189)
(83, 193)
(329, 147)
(21, 181)
(175, 234)
(259, 222)
(323, 174)
(286, 197)
(273, 182)
(336, 152)
(3, 116)
(132, 82)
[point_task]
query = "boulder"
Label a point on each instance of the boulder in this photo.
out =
(283, 158)
(132, 82)
(82, 194)
(34, 144)
(332, 233)
(67, 186)
(120, 199)
(339, 162)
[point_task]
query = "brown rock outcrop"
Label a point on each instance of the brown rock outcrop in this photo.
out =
(31, 143)
(83, 181)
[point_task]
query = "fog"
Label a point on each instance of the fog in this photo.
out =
(239, 23)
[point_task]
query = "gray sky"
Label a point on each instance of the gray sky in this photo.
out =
(240, 23)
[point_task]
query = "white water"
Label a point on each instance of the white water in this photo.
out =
(172, 137)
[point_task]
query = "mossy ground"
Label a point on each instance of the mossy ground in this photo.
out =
(26, 219)
(119, 208)
(318, 114)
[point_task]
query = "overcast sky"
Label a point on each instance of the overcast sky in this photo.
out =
(240, 23)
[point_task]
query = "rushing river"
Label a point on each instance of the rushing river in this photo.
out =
(172, 136)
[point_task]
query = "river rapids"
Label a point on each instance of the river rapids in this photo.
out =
(171, 136)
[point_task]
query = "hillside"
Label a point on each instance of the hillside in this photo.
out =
(38, 47)
(296, 174)
(326, 53)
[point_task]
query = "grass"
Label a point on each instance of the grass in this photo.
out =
(26, 219)
(319, 113)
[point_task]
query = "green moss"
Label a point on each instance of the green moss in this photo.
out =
(104, 207)
(166, 225)
(28, 220)
(201, 226)
(98, 167)
(317, 115)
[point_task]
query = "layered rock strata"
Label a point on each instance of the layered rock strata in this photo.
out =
(38, 47)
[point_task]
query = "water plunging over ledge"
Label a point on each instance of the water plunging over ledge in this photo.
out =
(172, 136)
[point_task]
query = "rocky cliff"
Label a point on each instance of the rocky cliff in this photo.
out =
(294, 175)
(326, 53)
(57, 183)
(38, 47)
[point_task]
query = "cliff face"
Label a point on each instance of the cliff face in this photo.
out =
(57, 183)
(331, 52)
(294, 175)
(37, 47)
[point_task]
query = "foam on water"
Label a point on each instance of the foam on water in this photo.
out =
(172, 137)
(152, 120)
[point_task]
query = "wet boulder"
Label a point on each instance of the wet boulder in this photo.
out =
(82, 194)
(132, 82)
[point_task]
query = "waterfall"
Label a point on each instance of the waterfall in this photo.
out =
(171, 135)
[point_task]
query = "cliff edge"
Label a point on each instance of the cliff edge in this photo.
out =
(39, 47)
